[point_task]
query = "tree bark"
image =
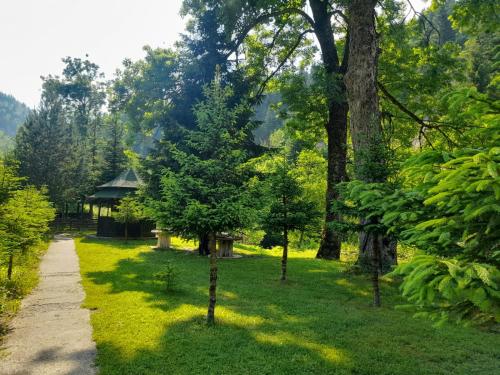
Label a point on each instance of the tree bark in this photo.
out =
(10, 266)
(387, 248)
(366, 130)
(126, 232)
(203, 244)
(336, 126)
(213, 279)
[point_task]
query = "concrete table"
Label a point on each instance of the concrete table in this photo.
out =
(164, 238)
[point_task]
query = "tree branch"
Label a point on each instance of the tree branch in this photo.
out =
(280, 65)
(265, 17)
(425, 19)
(423, 124)
(339, 13)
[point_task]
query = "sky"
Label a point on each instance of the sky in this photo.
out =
(36, 34)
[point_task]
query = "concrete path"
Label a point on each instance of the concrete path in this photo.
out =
(52, 333)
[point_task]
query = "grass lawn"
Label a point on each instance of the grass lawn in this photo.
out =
(319, 322)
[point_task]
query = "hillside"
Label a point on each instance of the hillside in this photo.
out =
(12, 114)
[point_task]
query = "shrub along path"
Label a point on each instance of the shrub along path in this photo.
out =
(52, 333)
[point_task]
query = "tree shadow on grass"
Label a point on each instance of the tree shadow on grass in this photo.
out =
(190, 347)
(319, 322)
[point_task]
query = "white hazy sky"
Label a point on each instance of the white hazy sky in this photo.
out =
(36, 34)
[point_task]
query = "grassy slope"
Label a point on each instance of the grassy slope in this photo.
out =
(24, 279)
(319, 322)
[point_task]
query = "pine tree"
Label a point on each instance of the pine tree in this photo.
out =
(44, 148)
(289, 209)
(113, 153)
(206, 194)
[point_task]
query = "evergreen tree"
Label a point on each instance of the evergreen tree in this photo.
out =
(114, 159)
(206, 194)
(44, 149)
(24, 220)
(288, 208)
(129, 210)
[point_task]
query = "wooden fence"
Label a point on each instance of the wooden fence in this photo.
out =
(65, 224)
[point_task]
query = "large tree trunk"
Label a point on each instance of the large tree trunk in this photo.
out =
(336, 127)
(366, 130)
(213, 279)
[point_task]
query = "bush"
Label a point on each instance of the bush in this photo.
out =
(271, 239)
(168, 276)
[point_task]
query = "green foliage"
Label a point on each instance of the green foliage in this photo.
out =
(6, 143)
(114, 159)
(304, 105)
(168, 276)
(24, 219)
(44, 151)
(129, 210)
(206, 192)
(288, 208)
(445, 289)
(446, 204)
(474, 16)
(59, 144)
(9, 179)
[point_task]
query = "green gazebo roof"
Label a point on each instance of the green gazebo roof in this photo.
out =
(127, 179)
(126, 183)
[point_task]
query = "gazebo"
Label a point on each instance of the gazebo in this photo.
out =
(107, 196)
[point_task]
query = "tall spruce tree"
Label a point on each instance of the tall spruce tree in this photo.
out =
(206, 193)
(43, 148)
(113, 151)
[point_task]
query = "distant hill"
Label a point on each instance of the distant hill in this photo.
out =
(12, 114)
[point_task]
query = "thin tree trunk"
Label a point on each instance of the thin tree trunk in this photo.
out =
(375, 273)
(284, 258)
(213, 279)
(301, 238)
(336, 126)
(126, 232)
(10, 266)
